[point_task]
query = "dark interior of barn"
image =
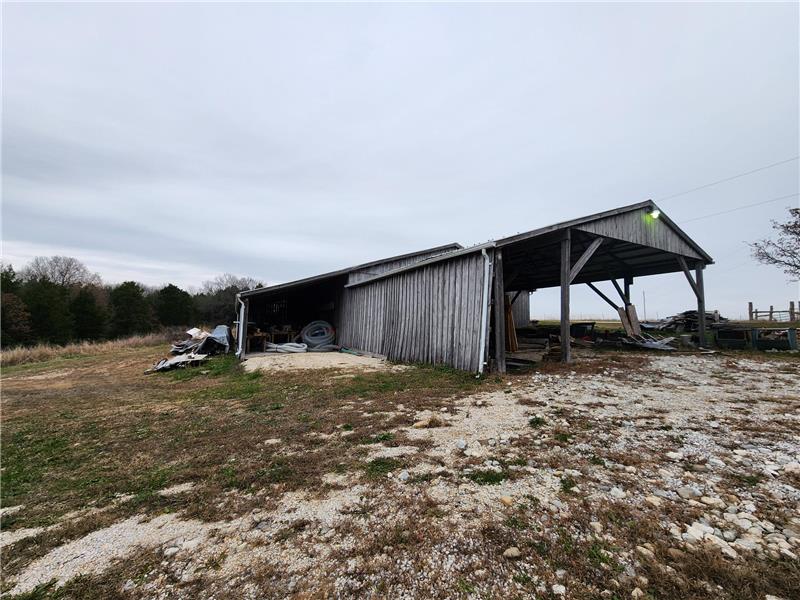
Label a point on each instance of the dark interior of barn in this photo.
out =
(279, 316)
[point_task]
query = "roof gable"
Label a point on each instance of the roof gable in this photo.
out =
(632, 223)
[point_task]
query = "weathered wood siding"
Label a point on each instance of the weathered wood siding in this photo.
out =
(431, 314)
(640, 228)
(521, 309)
(391, 265)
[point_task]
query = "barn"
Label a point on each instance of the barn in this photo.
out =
(450, 305)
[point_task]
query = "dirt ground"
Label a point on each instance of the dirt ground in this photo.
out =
(621, 476)
(316, 360)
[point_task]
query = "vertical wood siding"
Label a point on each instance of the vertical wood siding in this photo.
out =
(431, 314)
(521, 309)
(639, 228)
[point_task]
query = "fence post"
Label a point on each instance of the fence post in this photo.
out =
(791, 310)
(754, 338)
(749, 311)
(771, 310)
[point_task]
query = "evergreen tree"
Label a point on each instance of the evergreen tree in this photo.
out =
(48, 305)
(131, 313)
(91, 319)
(9, 282)
(174, 306)
(15, 325)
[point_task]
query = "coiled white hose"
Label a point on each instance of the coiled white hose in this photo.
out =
(318, 334)
(286, 348)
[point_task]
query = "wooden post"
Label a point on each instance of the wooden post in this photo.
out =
(499, 302)
(749, 311)
(628, 284)
(791, 310)
(622, 295)
(565, 269)
(701, 304)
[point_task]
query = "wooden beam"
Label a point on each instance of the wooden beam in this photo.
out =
(701, 304)
(628, 284)
(499, 301)
(581, 262)
(685, 269)
(625, 301)
(565, 279)
(602, 295)
(514, 299)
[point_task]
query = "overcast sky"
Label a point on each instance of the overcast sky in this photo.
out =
(170, 143)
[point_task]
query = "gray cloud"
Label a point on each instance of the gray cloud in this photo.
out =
(318, 136)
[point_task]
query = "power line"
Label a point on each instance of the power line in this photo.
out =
(702, 187)
(730, 210)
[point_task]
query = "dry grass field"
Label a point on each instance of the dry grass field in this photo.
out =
(622, 476)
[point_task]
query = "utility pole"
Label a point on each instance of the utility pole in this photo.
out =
(644, 305)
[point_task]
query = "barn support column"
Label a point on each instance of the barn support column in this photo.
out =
(566, 243)
(499, 303)
(701, 303)
(696, 283)
(568, 274)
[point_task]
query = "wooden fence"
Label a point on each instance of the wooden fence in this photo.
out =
(754, 314)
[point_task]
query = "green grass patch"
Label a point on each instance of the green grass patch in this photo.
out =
(371, 385)
(386, 436)
(488, 477)
(749, 479)
(380, 467)
(567, 483)
(465, 587)
(515, 522)
(536, 421)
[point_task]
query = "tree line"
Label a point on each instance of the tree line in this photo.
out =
(58, 300)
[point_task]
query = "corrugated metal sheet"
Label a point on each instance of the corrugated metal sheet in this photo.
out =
(430, 315)
(390, 265)
(400, 261)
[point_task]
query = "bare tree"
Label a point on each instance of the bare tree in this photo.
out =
(228, 281)
(785, 251)
(61, 270)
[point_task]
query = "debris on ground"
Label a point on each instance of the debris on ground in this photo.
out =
(177, 362)
(203, 342)
(196, 349)
(686, 321)
(648, 342)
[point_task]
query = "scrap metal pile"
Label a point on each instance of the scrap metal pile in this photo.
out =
(685, 321)
(197, 348)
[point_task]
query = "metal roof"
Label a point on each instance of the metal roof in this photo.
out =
(603, 215)
(341, 272)
(545, 232)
